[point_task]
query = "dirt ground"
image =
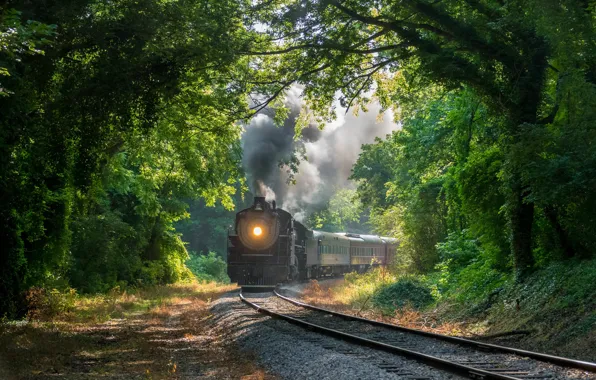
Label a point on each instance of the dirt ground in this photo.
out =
(173, 340)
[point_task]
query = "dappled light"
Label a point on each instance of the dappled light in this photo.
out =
(426, 163)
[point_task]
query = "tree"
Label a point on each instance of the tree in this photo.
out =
(130, 111)
(500, 51)
(343, 213)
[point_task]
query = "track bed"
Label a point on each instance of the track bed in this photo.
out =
(457, 356)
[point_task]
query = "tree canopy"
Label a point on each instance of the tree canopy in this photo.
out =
(118, 118)
(112, 115)
(511, 61)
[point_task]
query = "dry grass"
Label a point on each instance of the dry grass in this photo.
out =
(348, 299)
(158, 333)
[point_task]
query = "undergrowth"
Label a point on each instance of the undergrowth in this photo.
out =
(554, 307)
(51, 305)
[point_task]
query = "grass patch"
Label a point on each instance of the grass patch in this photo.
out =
(68, 306)
(162, 332)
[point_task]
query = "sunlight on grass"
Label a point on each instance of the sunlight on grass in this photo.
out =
(68, 306)
(355, 295)
(123, 333)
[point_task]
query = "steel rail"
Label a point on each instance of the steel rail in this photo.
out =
(433, 361)
(565, 362)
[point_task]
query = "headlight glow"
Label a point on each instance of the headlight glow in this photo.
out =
(257, 231)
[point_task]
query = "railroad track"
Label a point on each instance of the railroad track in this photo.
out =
(456, 355)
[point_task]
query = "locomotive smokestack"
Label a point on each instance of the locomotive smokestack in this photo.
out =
(259, 203)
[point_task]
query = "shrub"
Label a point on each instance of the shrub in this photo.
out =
(45, 304)
(406, 291)
(458, 250)
(208, 267)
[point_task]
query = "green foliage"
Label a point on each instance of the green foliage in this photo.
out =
(208, 267)
(18, 39)
(130, 112)
(359, 289)
(403, 292)
(469, 272)
(45, 304)
(494, 98)
(343, 212)
(557, 302)
(458, 250)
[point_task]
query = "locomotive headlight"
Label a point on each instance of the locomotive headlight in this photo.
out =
(257, 231)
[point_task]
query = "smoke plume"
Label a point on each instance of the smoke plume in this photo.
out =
(331, 154)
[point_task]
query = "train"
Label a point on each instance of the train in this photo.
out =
(269, 246)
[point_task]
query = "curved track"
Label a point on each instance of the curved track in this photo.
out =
(457, 355)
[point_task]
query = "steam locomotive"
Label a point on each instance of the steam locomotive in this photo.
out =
(269, 246)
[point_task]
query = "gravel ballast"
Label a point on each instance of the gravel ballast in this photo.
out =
(295, 353)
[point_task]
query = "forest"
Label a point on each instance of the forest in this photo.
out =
(121, 127)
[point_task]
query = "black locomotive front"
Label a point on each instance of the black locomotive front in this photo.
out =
(267, 247)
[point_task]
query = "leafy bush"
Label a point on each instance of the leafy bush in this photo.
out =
(45, 304)
(469, 272)
(406, 291)
(458, 250)
(208, 267)
(112, 250)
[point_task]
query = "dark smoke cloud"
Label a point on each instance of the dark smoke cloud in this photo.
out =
(331, 154)
(311, 134)
(264, 146)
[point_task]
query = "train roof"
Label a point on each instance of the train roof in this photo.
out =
(374, 239)
(360, 238)
(322, 235)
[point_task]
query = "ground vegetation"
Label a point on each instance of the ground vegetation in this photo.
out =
(159, 332)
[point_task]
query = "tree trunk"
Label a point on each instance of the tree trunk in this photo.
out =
(521, 220)
(522, 211)
(153, 250)
(564, 241)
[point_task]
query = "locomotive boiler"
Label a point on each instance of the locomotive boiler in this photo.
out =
(268, 246)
